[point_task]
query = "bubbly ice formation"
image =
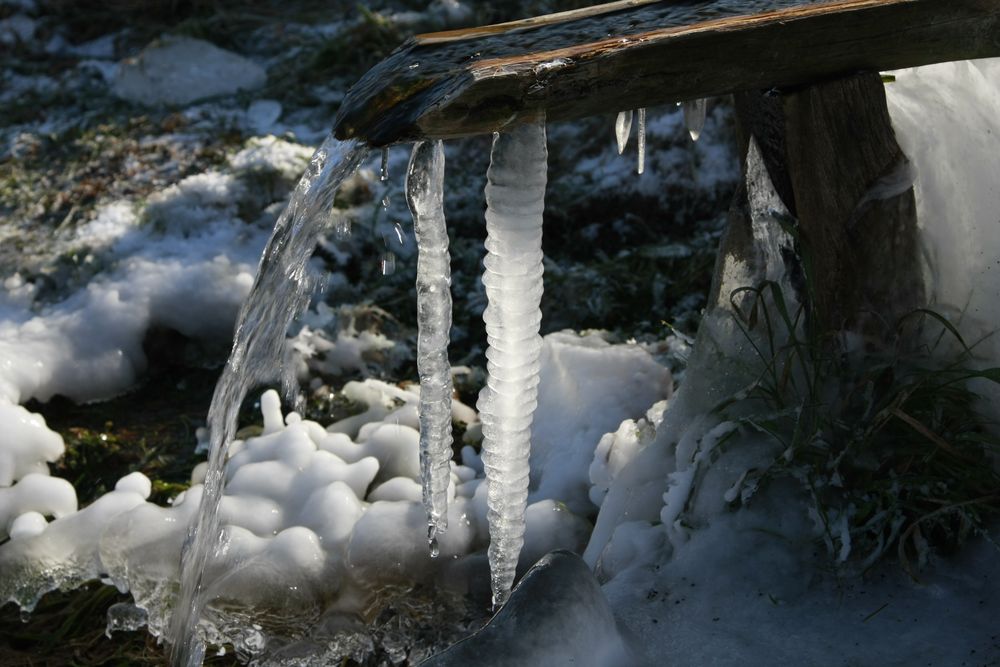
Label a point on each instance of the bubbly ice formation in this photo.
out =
(515, 194)
(425, 196)
(312, 516)
(26, 444)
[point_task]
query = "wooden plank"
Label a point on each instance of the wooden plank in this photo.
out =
(635, 54)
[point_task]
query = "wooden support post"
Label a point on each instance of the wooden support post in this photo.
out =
(832, 154)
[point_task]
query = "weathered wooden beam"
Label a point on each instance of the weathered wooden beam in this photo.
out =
(640, 53)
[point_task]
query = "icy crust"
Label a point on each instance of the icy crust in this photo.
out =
(317, 518)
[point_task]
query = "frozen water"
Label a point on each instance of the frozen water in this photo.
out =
(694, 117)
(641, 138)
(623, 127)
(515, 194)
(425, 196)
(557, 615)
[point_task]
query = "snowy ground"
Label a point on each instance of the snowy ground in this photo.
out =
(130, 235)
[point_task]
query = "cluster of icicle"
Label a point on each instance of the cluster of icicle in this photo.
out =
(281, 291)
(694, 120)
(515, 194)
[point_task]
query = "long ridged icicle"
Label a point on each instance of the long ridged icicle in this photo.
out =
(425, 196)
(515, 193)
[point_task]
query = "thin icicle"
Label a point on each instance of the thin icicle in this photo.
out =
(642, 141)
(384, 167)
(694, 117)
(623, 127)
(515, 193)
(425, 196)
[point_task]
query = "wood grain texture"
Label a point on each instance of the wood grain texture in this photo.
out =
(481, 80)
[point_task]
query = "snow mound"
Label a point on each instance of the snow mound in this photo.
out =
(314, 516)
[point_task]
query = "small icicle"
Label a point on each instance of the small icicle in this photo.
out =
(384, 169)
(642, 141)
(694, 117)
(515, 193)
(623, 127)
(425, 197)
(387, 263)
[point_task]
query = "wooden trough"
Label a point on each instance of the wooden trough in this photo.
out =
(638, 53)
(804, 75)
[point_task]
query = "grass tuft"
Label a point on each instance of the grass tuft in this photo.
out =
(890, 443)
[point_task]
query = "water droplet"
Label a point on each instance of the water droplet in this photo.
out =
(435, 550)
(385, 203)
(25, 615)
(342, 227)
(384, 170)
(414, 65)
(400, 234)
(387, 264)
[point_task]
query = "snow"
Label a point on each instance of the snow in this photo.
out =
(179, 70)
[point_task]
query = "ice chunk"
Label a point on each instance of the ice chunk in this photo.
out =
(515, 193)
(557, 615)
(425, 196)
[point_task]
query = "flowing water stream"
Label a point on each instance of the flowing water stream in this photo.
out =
(280, 292)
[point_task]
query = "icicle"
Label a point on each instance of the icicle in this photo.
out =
(515, 193)
(694, 117)
(623, 127)
(387, 263)
(384, 169)
(425, 196)
(642, 141)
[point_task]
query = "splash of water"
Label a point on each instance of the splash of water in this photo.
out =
(280, 292)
